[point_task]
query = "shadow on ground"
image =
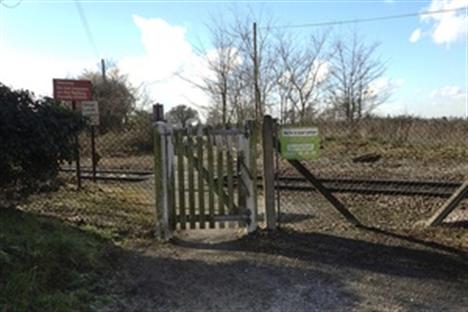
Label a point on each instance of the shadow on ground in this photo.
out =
(422, 260)
(210, 282)
(220, 270)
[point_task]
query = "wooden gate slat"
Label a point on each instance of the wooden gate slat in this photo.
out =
(211, 184)
(219, 167)
(191, 180)
(230, 175)
(201, 189)
(181, 178)
(172, 181)
(241, 188)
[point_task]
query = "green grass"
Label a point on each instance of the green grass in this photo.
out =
(46, 265)
(57, 247)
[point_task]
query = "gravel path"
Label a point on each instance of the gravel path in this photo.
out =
(221, 270)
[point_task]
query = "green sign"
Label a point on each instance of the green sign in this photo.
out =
(300, 143)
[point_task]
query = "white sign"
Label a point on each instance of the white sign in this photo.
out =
(91, 110)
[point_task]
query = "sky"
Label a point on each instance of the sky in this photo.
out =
(425, 55)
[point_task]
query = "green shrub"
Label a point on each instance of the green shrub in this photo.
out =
(36, 135)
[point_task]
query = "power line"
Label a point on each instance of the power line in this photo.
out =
(9, 6)
(364, 20)
(84, 22)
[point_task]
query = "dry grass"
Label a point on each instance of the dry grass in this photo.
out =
(117, 212)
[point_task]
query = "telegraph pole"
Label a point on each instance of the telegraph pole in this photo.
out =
(93, 134)
(103, 69)
(255, 73)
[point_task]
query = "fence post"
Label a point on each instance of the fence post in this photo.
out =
(250, 159)
(268, 172)
(162, 171)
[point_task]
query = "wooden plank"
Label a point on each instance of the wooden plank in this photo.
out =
(171, 180)
(181, 179)
(222, 218)
(252, 201)
(211, 184)
(321, 189)
(250, 175)
(241, 172)
(230, 175)
(449, 205)
(201, 189)
(220, 173)
(191, 179)
(268, 172)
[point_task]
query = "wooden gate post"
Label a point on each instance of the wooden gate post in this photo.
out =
(250, 160)
(268, 172)
(162, 177)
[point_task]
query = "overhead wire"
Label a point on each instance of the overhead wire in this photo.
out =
(364, 20)
(9, 6)
(86, 27)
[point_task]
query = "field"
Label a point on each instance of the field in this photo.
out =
(407, 149)
(316, 260)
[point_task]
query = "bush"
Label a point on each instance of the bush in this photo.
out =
(35, 137)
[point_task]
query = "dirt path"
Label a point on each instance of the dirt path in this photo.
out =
(221, 270)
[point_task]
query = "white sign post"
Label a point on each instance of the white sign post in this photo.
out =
(90, 109)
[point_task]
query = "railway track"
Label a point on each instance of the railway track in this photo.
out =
(443, 189)
(112, 174)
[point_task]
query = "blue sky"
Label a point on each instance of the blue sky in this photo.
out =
(150, 40)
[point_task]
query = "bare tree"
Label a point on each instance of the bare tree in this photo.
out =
(229, 63)
(353, 85)
(303, 71)
(220, 61)
(266, 60)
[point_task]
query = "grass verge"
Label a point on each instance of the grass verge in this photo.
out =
(47, 265)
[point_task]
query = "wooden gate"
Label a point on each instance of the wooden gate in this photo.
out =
(205, 177)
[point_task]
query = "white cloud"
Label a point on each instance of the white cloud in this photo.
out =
(416, 35)
(447, 27)
(26, 70)
(383, 86)
(393, 109)
(446, 91)
(447, 101)
(167, 55)
(167, 52)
